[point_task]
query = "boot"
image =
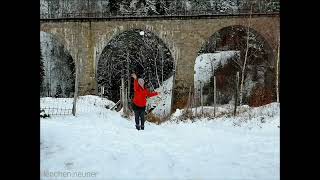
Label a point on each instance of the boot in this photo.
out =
(137, 127)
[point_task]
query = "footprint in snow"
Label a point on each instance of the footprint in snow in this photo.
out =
(68, 165)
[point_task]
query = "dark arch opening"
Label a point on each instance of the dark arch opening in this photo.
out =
(58, 77)
(131, 51)
(259, 75)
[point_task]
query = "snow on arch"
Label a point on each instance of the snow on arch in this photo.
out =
(58, 66)
(207, 63)
(65, 42)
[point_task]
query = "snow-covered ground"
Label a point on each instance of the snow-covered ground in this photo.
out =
(101, 142)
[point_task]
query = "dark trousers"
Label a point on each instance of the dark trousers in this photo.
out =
(139, 115)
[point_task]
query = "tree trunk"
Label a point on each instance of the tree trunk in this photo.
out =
(277, 71)
(173, 81)
(128, 74)
(189, 100)
(236, 96)
(201, 98)
(161, 66)
(123, 96)
(155, 64)
(194, 100)
(214, 96)
(101, 91)
(120, 99)
(245, 60)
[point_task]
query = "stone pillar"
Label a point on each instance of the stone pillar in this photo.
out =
(84, 56)
(190, 44)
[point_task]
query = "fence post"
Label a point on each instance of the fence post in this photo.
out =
(77, 61)
(236, 95)
(195, 100)
(214, 96)
(201, 97)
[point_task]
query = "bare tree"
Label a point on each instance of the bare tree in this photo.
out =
(124, 98)
(161, 66)
(245, 59)
(128, 71)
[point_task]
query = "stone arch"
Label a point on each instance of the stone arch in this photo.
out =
(232, 38)
(66, 44)
(104, 39)
(260, 35)
(100, 50)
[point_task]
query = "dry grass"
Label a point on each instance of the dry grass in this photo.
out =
(208, 113)
(152, 118)
(261, 96)
(155, 119)
(181, 103)
(244, 113)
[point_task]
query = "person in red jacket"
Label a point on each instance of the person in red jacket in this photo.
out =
(141, 93)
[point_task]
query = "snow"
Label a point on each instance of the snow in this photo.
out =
(85, 104)
(205, 62)
(100, 141)
(162, 102)
(229, 7)
(43, 7)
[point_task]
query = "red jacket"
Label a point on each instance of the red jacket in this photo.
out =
(141, 95)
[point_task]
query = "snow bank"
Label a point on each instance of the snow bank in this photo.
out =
(85, 104)
(206, 64)
(246, 116)
(103, 142)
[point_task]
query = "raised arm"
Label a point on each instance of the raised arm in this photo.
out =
(135, 82)
(135, 85)
(151, 94)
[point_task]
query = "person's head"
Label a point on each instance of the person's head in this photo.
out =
(141, 82)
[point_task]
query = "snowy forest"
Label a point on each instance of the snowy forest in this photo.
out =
(103, 8)
(259, 76)
(57, 69)
(132, 51)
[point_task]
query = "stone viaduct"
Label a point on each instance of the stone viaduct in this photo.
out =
(85, 40)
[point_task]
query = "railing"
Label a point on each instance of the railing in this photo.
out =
(109, 15)
(57, 111)
(56, 106)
